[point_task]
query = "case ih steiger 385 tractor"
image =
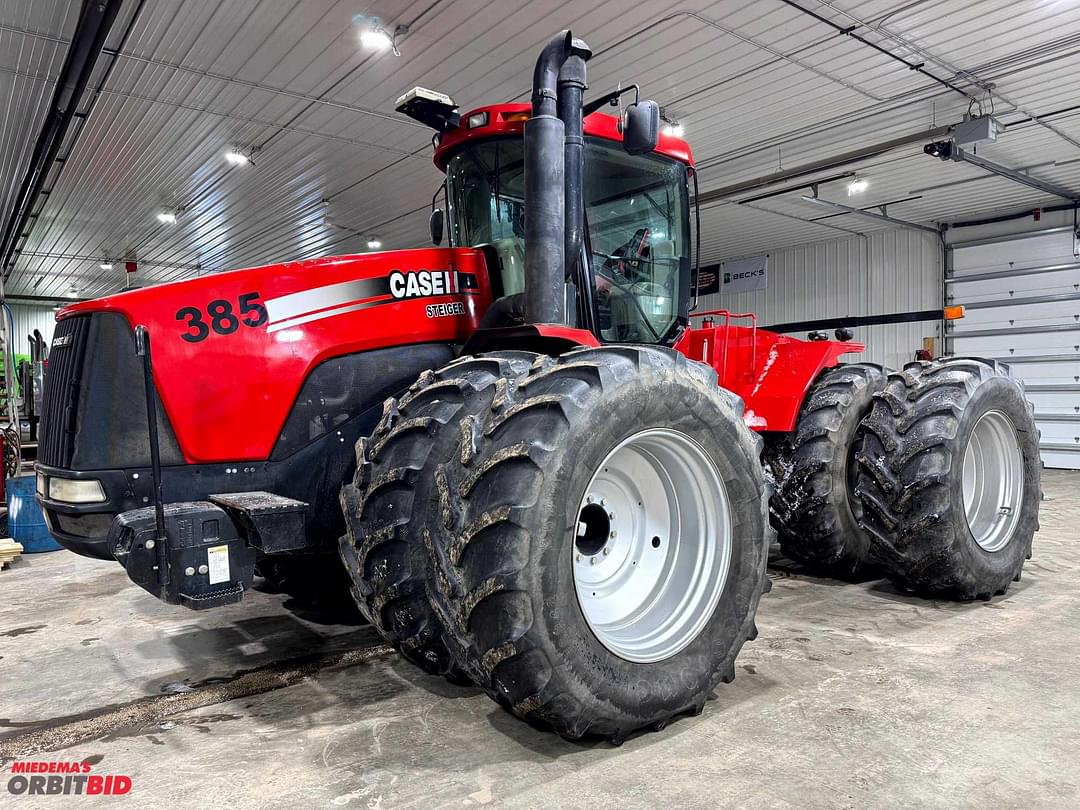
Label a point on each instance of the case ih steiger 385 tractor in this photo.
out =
(563, 498)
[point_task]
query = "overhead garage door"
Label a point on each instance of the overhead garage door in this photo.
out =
(1022, 295)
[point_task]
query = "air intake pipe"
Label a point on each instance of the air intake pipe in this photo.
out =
(553, 213)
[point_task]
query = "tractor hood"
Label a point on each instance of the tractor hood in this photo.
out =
(232, 350)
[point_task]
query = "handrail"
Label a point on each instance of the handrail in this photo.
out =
(728, 317)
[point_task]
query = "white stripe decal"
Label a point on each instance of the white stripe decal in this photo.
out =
(293, 305)
(326, 313)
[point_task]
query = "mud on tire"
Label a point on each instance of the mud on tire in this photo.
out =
(813, 510)
(505, 559)
(388, 504)
(915, 469)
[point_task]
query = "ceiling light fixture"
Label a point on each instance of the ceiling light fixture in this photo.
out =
(237, 158)
(166, 217)
(674, 128)
(858, 185)
(106, 265)
(375, 37)
(373, 243)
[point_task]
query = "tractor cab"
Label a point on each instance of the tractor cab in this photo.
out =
(635, 254)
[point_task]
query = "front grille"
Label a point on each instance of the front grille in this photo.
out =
(60, 399)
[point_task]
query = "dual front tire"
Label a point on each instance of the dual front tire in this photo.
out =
(592, 547)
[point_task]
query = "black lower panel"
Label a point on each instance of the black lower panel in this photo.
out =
(340, 402)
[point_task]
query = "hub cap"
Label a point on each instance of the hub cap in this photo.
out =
(653, 545)
(993, 481)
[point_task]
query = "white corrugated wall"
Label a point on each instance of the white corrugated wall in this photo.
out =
(888, 271)
(27, 318)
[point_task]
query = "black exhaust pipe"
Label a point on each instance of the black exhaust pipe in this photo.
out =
(547, 191)
(571, 90)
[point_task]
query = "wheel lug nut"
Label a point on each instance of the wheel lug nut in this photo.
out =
(611, 515)
(613, 533)
(607, 550)
(577, 558)
(592, 560)
(588, 499)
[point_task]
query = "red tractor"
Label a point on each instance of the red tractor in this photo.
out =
(563, 498)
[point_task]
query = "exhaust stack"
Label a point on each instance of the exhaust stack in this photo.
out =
(554, 161)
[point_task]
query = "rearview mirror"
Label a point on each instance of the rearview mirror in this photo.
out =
(641, 127)
(435, 225)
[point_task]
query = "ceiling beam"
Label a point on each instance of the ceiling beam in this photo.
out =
(950, 150)
(862, 212)
(825, 164)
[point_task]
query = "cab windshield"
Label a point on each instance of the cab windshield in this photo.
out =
(637, 228)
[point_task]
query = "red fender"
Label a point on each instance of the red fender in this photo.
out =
(771, 372)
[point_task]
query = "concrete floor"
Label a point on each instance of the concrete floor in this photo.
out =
(854, 696)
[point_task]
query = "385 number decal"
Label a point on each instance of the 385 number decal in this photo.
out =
(221, 318)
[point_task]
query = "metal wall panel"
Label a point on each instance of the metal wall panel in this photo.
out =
(1021, 291)
(888, 271)
(29, 318)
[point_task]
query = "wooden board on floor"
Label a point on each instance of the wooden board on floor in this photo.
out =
(9, 550)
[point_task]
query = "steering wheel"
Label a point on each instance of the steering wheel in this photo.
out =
(628, 257)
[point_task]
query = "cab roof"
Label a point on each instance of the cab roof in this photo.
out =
(509, 119)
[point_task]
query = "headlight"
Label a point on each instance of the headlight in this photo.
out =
(41, 485)
(70, 490)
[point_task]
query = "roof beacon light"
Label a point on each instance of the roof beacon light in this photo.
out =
(432, 109)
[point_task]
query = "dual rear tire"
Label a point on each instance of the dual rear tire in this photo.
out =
(930, 474)
(814, 510)
(949, 478)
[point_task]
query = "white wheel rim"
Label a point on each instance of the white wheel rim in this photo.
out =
(993, 481)
(646, 600)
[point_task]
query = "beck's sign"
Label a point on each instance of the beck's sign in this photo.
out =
(745, 275)
(742, 275)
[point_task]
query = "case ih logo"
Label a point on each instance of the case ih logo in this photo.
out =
(58, 778)
(60, 342)
(351, 296)
(426, 283)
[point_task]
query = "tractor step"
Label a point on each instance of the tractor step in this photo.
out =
(200, 561)
(271, 523)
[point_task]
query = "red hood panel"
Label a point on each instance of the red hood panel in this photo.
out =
(231, 350)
